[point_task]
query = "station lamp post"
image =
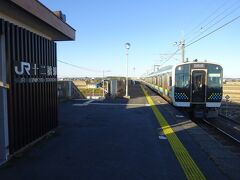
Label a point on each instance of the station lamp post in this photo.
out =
(127, 46)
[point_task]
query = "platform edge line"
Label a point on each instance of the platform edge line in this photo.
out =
(188, 165)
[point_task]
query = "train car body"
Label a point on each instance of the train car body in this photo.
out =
(193, 85)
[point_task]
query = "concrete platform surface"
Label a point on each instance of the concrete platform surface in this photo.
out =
(111, 139)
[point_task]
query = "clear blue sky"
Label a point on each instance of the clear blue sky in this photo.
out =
(152, 27)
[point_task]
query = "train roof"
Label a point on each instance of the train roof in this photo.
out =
(162, 70)
(197, 62)
(169, 68)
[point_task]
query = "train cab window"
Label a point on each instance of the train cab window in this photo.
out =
(182, 77)
(214, 76)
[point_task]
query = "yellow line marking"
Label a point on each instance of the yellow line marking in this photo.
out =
(189, 167)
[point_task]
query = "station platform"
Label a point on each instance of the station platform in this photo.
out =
(137, 138)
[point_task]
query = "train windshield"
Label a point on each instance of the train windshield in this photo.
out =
(182, 78)
(214, 76)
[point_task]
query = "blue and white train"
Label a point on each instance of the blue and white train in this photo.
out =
(193, 85)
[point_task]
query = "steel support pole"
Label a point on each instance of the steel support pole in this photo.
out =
(183, 50)
(127, 75)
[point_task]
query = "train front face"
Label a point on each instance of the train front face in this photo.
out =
(198, 84)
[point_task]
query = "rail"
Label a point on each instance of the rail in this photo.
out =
(222, 131)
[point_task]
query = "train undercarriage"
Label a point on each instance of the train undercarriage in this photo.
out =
(199, 111)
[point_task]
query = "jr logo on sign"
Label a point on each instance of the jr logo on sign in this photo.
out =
(24, 68)
(27, 69)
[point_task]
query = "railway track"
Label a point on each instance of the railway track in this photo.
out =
(228, 136)
(222, 131)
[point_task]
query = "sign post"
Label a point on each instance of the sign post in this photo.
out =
(227, 97)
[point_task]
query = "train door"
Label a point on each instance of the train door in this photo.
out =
(198, 86)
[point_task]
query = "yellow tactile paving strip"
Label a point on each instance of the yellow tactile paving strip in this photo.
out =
(188, 165)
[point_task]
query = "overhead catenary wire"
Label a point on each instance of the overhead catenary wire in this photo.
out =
(170, 57)
(209, 20)
(79, 67)
(187, 45)
(196, 28)
(217, 22)
(202, 37)
(229, 22)
(223, 12)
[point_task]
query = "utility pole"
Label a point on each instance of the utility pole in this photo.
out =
(183, 49)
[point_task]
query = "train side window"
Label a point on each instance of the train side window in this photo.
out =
(170, 80)
(165, 81)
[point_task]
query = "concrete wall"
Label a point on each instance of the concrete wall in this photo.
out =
(68, 90)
